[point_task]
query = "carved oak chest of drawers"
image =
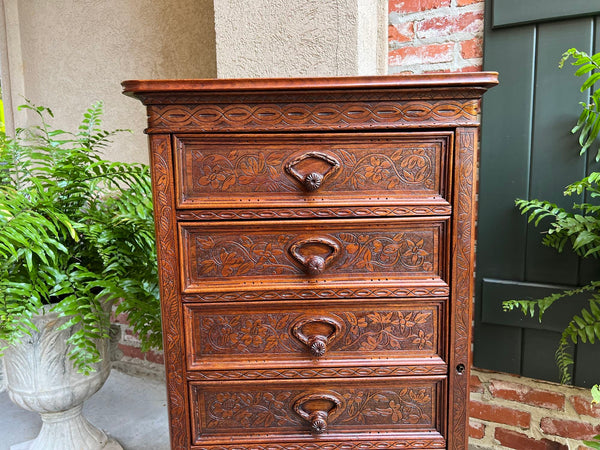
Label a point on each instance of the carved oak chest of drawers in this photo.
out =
(315, 242)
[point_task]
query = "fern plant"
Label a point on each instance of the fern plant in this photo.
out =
(76, 231)
(580, 229)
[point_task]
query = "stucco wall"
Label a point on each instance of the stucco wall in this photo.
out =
(279, 38)
(65, 54)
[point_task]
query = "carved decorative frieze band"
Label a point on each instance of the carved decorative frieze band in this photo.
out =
(326, 372)
(311, 115)
(395, 444)
(307, 294)
(307, 213)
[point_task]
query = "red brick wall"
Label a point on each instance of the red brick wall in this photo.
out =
(508, 411)
(435, 36)
(131, 359)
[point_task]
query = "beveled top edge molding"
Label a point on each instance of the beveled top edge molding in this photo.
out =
(483, 80)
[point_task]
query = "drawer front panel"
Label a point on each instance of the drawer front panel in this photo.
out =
(250, 410)
(301, 334)
(300, 170)
(255, 255)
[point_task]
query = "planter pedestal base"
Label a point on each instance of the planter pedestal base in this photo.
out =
(68, 428)
(41, 378)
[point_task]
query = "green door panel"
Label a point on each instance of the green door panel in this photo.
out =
(504, 166)
(556, 318)
(555, 160)
(537, 359)
(498, 348)
(517, 12)
(528, 152)
(587, 374)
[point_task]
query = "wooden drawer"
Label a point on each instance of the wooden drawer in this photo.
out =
(297, 253)
(301, 334)
(328, 409)
(311, 169)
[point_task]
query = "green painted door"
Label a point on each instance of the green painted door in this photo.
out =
(529, 152)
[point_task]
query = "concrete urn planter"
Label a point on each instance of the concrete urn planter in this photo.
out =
(40, 377)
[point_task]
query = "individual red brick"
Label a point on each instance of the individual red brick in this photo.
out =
(476, 430)
(155, 357)
(526, 394)
(520, 441)
(410, 6)
(569, 428)
(121, 318)
(476, 68)
(427, 54)
(440, 26)
(583, 406)
(499, 414)
(402, 32)
(472, 48)
(467, 2)
(476, 385)
(437, 71)
(135, 352)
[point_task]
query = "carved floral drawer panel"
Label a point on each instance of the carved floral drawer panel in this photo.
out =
(257, 255)
(315, 241)
(306, 170)
(302, 334)
(242, 413)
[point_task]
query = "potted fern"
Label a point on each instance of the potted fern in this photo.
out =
(76, 235)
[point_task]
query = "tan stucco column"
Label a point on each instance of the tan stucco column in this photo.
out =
(284, 38)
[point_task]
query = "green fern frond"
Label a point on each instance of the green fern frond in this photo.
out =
(581, 231)
(588, 125)
(584, 327)
(564, 359)
(540, 306)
